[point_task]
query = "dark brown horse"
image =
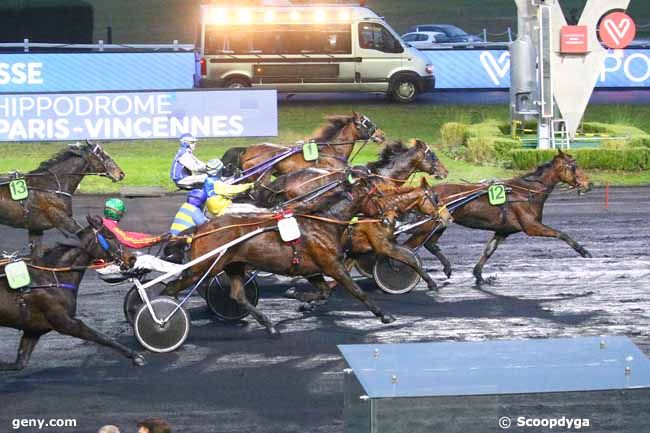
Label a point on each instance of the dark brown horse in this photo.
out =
(51, 302)
(51, 185)
(396, 163)
(338, 138)
(319, 252)
(523, 210)
(378, 237)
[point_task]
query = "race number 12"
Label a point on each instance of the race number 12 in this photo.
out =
(497, 194)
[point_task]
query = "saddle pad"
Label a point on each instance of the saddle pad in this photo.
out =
(17, 275)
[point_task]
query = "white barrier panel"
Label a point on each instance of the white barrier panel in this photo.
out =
(138, 115)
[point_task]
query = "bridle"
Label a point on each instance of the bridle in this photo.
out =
(103, 243)
(366, 128)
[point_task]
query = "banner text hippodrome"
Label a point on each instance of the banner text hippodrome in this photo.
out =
(85, 105)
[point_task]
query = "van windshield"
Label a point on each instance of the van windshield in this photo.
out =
(285, 39)
(374, 36)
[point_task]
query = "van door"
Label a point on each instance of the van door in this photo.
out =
(380, 55)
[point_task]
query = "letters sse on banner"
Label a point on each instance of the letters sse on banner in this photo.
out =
(138, 115)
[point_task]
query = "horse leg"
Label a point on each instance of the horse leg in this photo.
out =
(538, 229)
(490, 248)
(27, 344)
(64, 324)
(431, 244)
(36, 242)
(338, 272)
(236, 274)
(314, 299)
(383, 246)
(64, 223)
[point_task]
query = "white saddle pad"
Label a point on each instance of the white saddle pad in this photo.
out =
(237, 208)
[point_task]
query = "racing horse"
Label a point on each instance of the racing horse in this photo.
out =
(319, 252)
(50, 186)
(50, 302)
(336, 141)
(522, 211)
(396, 163)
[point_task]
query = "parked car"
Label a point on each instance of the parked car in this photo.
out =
(423, 40)
(452, 33)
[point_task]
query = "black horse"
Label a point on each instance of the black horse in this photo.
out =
(50, 303)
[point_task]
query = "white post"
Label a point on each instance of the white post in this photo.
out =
(101, 45)
(485, 35)
(175, 44)
(26, 45)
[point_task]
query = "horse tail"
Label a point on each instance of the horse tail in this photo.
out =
(232, 158)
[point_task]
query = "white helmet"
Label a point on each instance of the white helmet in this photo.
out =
(188, 140)
(214, 167)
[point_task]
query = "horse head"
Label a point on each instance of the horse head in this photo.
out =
(429, 162)
(566, 168)
(366, 129)
(98, 160)
(101, 244)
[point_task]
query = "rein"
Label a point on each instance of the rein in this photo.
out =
(353, 221)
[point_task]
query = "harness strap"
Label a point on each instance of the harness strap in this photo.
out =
(340, 222)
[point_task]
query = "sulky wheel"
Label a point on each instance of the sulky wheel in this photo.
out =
(395, 277)
(132, 301)
(168, 336)
(365, 264)
(220, 303)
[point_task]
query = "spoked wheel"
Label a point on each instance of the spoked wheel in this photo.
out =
(395, 277)
(132, 301)
(220, 303)
(162, 338)
(365, 264)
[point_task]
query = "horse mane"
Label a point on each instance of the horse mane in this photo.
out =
(59, 157)
(332, 127)
(389, 153)
(539, 171)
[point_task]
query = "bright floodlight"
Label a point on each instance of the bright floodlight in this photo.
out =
(344, 15)
(217, 15)
(245, 16)
(294, 15)
(319, 16)
(269, 16)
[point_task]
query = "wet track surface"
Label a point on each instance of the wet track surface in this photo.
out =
(234, 378)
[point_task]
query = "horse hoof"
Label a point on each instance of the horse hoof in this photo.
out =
(274, 332)
(290, 293)
(447, 272)
(387, 318)
(433, 287)
(586, 254)
(139, 361)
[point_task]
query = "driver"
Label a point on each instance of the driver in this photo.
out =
(187, 170)
(114, 210)
(219, 193)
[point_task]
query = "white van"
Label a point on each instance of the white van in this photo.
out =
(319, 48)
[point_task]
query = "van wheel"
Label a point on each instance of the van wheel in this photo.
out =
(404, 90)
(237, 83)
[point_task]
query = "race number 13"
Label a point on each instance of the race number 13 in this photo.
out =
(18, 189)
(497, 195)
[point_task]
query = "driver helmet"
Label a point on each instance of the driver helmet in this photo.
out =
(114, 209)
(197, 197)
(214, 167)
(188, 140)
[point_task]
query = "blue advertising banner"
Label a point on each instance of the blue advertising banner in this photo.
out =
(490, 69)
(82, 72)
(138, 115)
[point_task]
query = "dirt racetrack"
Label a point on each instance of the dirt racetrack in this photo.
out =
(234, 378)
